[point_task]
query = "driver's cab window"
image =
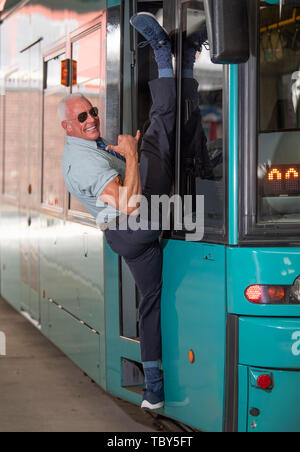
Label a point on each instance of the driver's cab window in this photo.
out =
(279, 118)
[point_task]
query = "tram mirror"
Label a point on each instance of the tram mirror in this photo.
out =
(228, 30)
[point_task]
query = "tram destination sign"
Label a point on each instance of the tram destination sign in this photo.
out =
(282, 180)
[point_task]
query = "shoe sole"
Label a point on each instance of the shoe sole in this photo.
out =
(150, 406)
(153, 17)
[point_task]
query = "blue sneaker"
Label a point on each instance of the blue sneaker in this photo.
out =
(192, 43)
(197, 38)
(147, 25)
(153, 400)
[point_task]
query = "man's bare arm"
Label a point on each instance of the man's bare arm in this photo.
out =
(118, 193)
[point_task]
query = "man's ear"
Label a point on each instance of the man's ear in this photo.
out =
(67, 126)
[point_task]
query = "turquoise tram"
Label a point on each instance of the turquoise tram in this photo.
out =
(231, 301)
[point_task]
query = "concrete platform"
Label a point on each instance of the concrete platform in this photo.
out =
(43, 391)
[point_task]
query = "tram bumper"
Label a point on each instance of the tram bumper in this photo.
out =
(269, 374)
(269, 342)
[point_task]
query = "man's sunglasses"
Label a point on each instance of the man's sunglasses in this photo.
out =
(82, 117)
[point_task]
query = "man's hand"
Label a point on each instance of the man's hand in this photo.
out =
(113, 193)
(127, 145)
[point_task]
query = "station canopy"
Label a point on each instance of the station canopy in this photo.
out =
(7, 5)
(73, 5)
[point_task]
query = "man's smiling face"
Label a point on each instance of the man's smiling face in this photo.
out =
(89, 129)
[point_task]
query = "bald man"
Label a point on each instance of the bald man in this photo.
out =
(94, 172)
(109, 182)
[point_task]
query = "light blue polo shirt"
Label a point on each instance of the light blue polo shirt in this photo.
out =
(87, 170)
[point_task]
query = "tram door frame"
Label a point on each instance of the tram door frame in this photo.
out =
(133, 119)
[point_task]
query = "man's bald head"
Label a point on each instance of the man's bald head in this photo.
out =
(69, 109)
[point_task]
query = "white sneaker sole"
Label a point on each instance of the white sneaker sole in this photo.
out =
(149, 406)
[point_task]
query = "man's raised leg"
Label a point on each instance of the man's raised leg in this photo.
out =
(156, 170)
(157, 149)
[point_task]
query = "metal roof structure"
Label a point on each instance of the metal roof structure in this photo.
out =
(6, 6)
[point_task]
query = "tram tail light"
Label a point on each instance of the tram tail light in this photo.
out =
(274, 294)
(254, 293)
(264, 382)
(262, 294)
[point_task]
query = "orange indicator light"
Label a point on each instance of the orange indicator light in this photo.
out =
(276, 293)
(66, 67)
(191, 356)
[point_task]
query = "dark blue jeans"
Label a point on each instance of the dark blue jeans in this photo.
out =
(141, 249)
(142, 253)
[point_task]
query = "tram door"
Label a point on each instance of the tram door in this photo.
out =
(10, 255)
(210, 79)
(52, 185)
(142, 69)
(29, 189)
(20, 186)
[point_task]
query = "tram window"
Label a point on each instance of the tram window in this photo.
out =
(90, 82)
(54, 137)
(16, 96)
(32, 161)
(202, 124)
(279, 135)
(2, 105)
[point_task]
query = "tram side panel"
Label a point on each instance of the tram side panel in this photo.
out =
(269, 339)
(194, 333)
(72, 288)
(10, 256)
(52, 269)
